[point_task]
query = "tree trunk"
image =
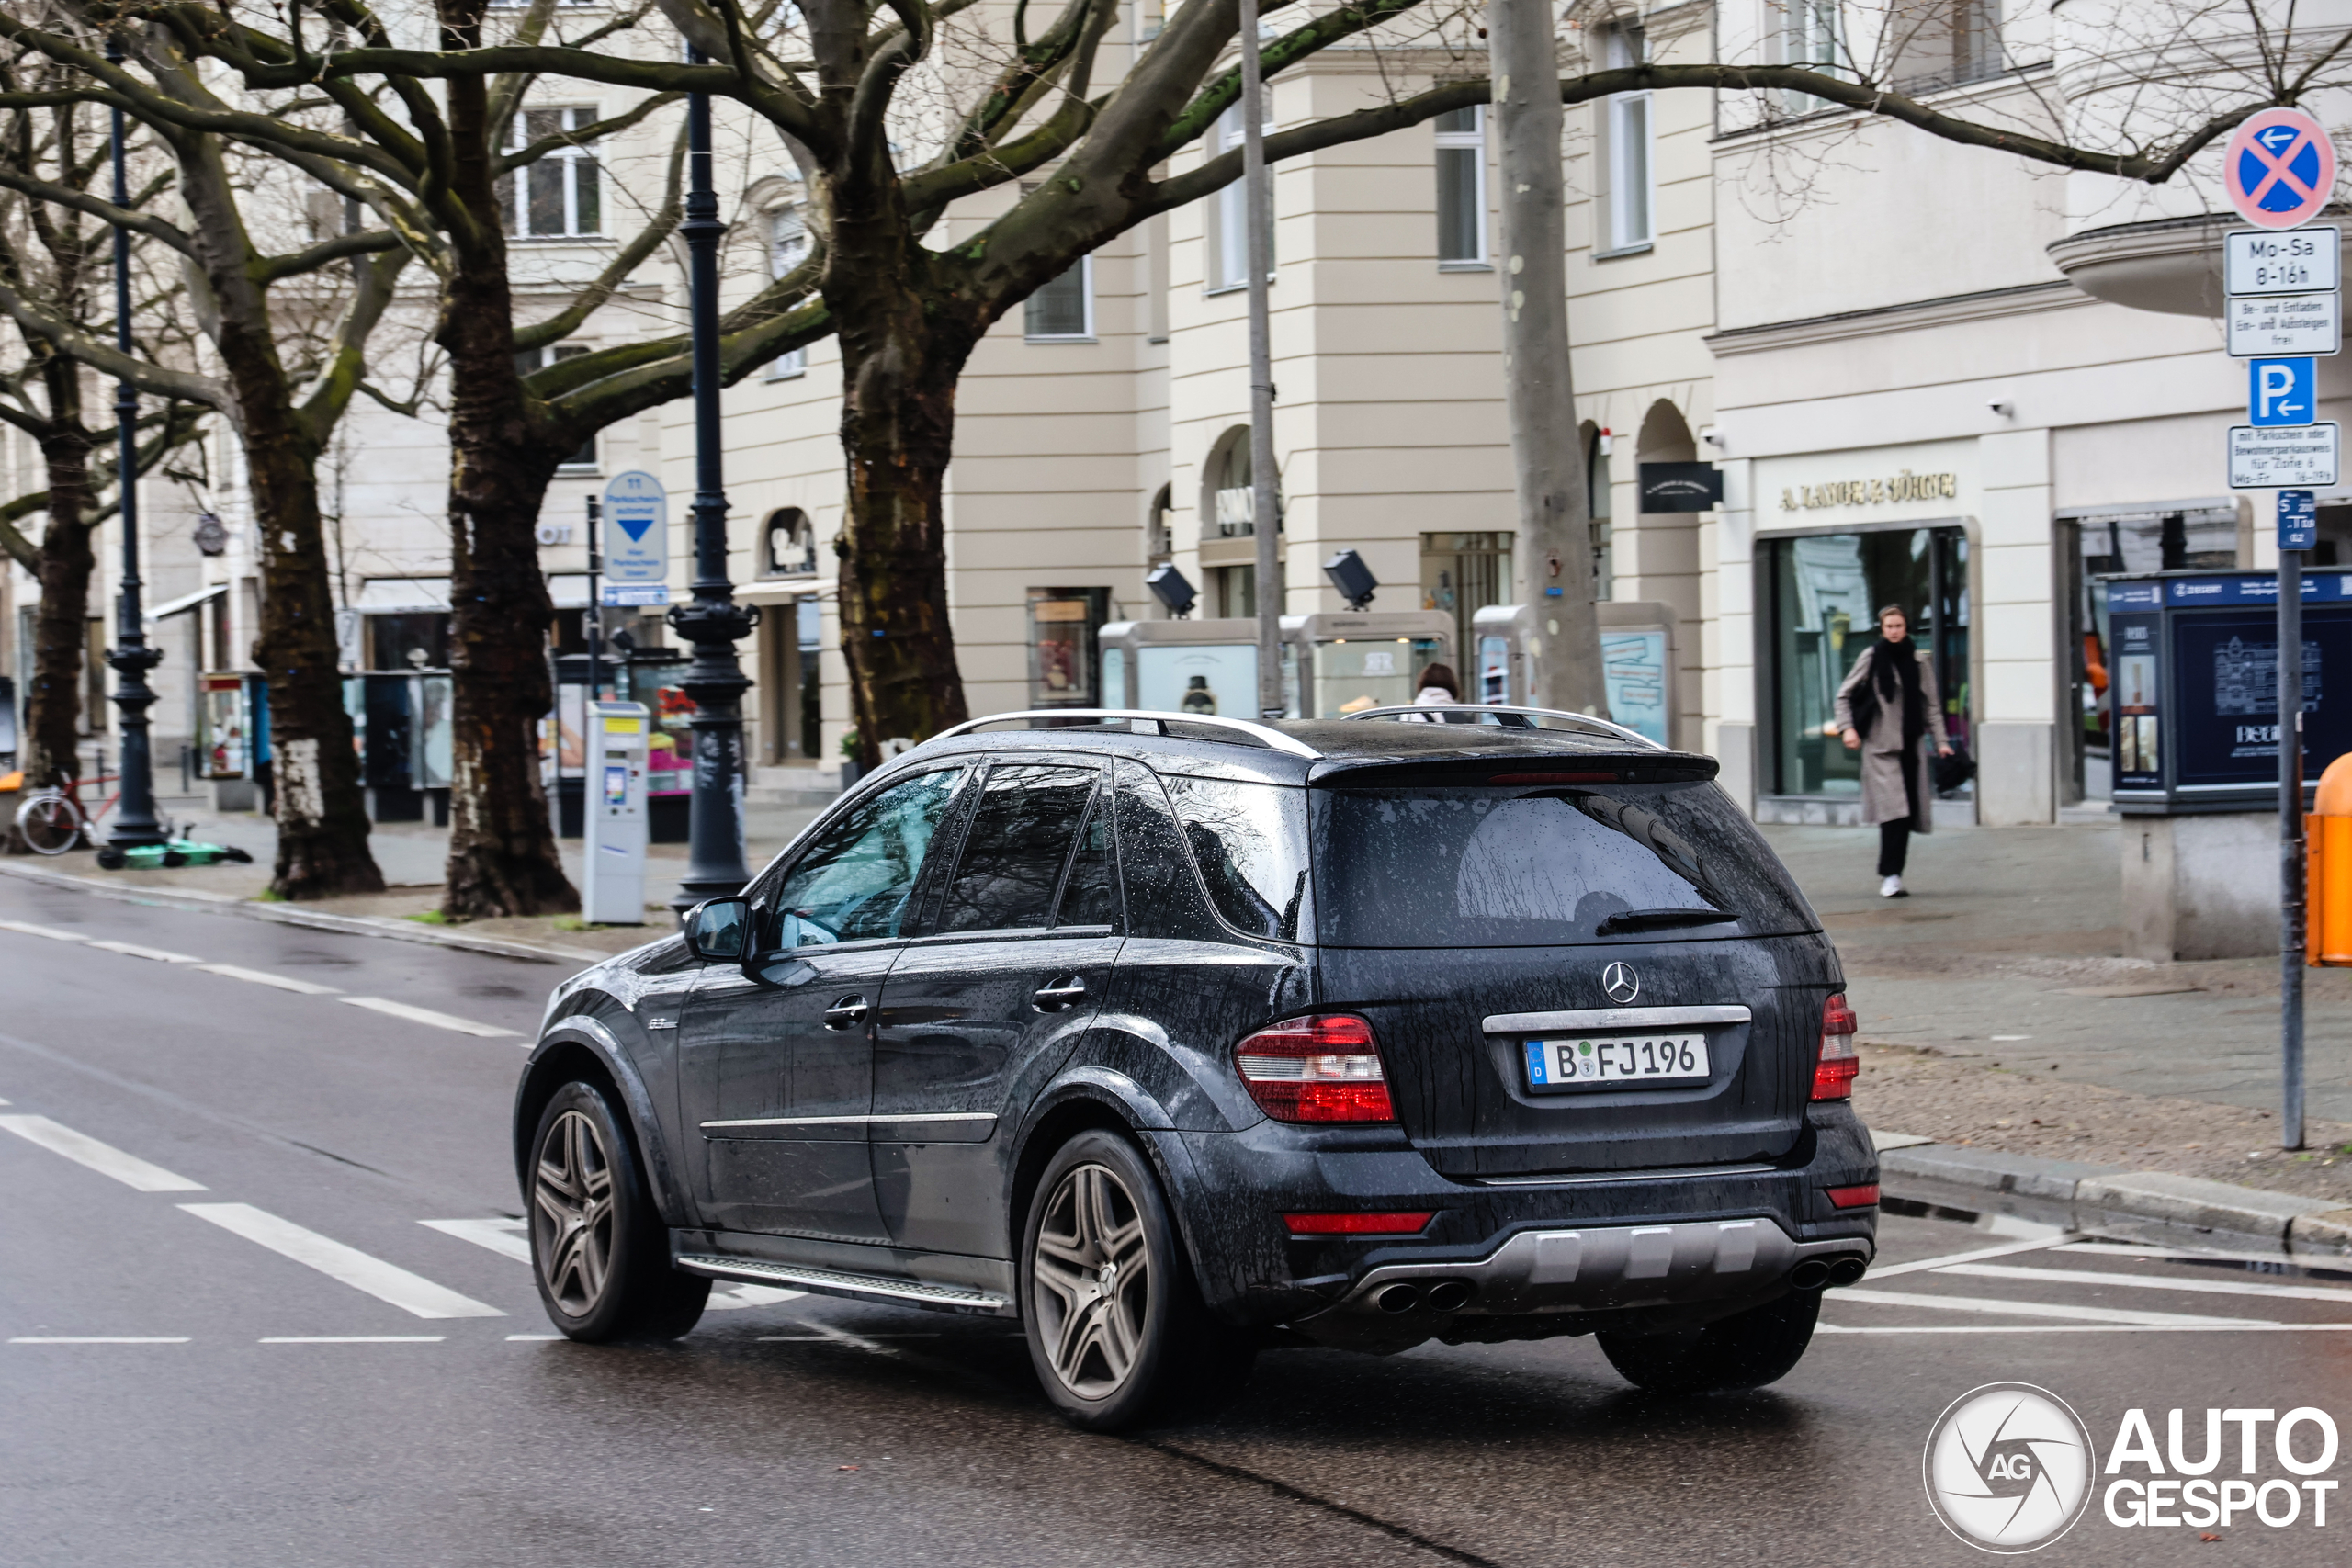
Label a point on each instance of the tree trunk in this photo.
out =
(898, 432)
(502, 857)
(322, 817)
(53, 705)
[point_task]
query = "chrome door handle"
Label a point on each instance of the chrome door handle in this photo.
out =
(1059, 995)
(845, 1012)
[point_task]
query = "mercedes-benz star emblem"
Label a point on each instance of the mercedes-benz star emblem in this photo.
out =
(1622, 984)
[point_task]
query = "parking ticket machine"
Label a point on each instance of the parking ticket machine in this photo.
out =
(613, 889)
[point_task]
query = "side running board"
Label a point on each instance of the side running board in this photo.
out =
(833, 1283)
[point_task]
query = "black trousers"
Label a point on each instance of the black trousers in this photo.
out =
(1894, 846)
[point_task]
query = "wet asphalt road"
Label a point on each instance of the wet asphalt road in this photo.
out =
(174, 1391)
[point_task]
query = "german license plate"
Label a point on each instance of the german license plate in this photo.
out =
(1594, 1061)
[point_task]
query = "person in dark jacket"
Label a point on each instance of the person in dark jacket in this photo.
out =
(1888, 704)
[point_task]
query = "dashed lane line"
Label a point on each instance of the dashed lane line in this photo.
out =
(26, 928)
(426, 1015)
(2223, 1326)
(99, 1339)
(508, 1239)
(2036, 1309)
(386, 1281)
(104, 1159)
(263, 978)
(504, 1237)
(351, 1339)
(2153, 1282)
(158, 954)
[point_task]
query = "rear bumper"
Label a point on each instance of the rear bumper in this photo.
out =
(1626, 1248)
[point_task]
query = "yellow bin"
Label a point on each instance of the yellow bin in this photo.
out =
(2327, 849)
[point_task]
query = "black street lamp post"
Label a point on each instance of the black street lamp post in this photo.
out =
(711, 620)
(134, 814)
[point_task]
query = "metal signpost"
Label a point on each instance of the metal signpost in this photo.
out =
(2284, 312)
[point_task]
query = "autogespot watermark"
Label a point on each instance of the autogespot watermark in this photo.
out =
(2009, 1468)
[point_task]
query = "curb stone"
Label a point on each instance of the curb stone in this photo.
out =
(318, 919)
(2149, 1205)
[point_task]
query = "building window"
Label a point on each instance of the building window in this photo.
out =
(1825, 590)
(1228, 209)
(1063, 309)
(1464, 574)
(561, 193)
(1462, 188)
(789, 548)
(1160, 533)
(1628, 150)
(1596, 489)
(1233, 496)
(585, 460)
(1234, 589)
(1934, 44)
(1808, 36)
(787, 248)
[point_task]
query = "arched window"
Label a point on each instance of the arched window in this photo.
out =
(1160, 527)
(788, 547)
(1596, 482)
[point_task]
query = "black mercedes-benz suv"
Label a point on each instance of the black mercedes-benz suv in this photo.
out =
(1175, 1037)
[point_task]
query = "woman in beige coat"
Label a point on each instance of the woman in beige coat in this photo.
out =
(1887, 705)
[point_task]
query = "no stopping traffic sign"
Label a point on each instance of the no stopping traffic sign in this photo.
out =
(2280, 169)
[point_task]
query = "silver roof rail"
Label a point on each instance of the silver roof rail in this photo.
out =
(1482, 710)
(1264, 734)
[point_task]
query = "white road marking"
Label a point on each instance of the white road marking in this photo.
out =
(784, 1338)
(426, 1015)
(132, 950)
(385, 1282)
(2037, 1309)
(2153, 1282)
(99, 1339)
(2091, 1328)
(352, 1339)
(29, 929)
(2296, 1261)
(263, 978)
(1948, 1259)
(531, 1339)
(504, 1237)
(104, 1159)
(739, 1296)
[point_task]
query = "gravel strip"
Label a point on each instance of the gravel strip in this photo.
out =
(2018, 1105)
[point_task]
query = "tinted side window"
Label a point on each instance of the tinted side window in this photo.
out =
(1163, 896)
(1091, 892)
(852, 884)
(1250, 841)
(1019, 840)
(1479, 867)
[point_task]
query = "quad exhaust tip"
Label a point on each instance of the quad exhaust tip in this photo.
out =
(1818, 1273)
(1847, 1269)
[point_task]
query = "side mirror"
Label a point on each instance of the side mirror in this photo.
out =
(718, 930)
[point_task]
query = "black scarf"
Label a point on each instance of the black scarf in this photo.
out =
(1894, 676)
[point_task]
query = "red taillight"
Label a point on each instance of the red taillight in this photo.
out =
(1862, 1197)
(1324, 1068)
(1357, 1225)
(1833, 1070)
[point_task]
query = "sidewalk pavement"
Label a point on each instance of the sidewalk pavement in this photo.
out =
(2014, 1059)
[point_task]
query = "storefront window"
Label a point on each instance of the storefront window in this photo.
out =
(1063, 669)
(1826, 592)
(1464, 574)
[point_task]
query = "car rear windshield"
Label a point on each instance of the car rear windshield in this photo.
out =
(1508, 867)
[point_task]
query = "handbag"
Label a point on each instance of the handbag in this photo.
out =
(1955, 770)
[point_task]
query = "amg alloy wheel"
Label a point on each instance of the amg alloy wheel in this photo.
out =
(598, 1247)
(1116, 1324)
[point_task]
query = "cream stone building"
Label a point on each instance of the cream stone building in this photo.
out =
(1928, 374)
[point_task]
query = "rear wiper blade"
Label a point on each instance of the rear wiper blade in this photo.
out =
(1653, 919)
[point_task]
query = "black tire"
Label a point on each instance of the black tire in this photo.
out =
(599, 1250)
(1749, 1350)
(112, 859)
(1110, 1360)
(173, 858)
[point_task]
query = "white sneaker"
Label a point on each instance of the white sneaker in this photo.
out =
(1892, 888)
